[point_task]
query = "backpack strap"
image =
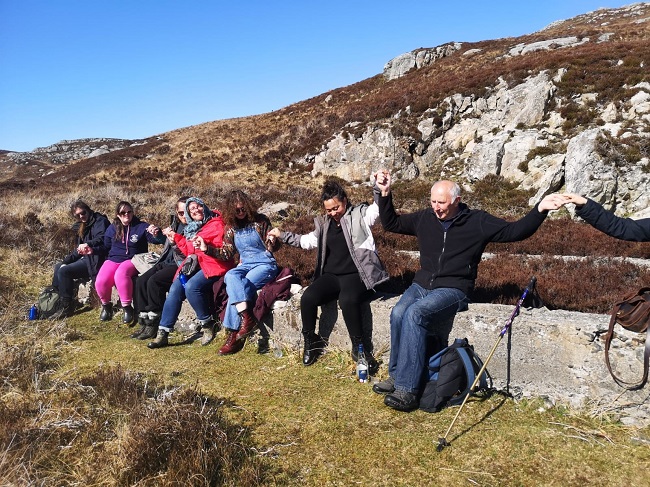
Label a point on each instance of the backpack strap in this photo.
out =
(630, 386)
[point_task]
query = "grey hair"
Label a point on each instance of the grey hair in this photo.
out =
(454, 191)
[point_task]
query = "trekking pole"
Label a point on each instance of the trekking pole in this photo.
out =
(442, 442)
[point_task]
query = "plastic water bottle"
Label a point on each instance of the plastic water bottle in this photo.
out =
(362, 365)
(33, 312)
(183, 278)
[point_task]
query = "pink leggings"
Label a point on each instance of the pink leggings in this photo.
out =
(119, 275)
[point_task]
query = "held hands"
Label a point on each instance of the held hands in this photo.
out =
(169, 233)
(576, 199)
(383, 180)
(84, 249)
(552, 202)
(153, 230)
(199, 243)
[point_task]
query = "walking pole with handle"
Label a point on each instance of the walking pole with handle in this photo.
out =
(442, 442)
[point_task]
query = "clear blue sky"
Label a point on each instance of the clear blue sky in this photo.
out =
(130, 69)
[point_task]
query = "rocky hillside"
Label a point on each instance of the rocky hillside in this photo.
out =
(565, 107)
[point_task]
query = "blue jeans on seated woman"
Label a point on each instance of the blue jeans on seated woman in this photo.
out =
(418, 314)
(197, 290)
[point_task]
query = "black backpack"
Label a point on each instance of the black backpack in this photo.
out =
(452, 372)
(49, 303)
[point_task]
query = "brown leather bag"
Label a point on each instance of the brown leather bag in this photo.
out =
(633, 314)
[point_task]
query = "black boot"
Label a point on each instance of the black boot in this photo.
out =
(160, 341)
(127, 317)
(107, 312)
(143, 325)
(314, 347)
(151, 328)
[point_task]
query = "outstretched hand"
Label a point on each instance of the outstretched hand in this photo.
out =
(552, 202)
(383, 180)
(576, 199)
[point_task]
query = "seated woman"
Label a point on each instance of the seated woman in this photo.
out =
(205, 227)
(347, 268)
(152, 286)
(125, 237)
(87, 257)
(246, 235)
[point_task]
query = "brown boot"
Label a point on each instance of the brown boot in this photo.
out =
(248, 324)
(232, 345)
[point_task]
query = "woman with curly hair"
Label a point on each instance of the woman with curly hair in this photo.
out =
(246, 235)
(348, 268)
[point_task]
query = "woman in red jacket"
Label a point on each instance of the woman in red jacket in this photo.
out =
(205, 227)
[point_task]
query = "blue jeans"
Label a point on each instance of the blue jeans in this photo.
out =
(415, 316)
(197, 290)
(242, 284)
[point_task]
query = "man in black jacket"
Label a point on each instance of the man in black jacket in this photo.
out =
(451, 238)
(605, 221)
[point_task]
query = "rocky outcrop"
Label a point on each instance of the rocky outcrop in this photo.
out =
(402, 64)
(517, 132)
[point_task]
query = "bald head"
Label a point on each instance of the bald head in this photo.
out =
(445, 198)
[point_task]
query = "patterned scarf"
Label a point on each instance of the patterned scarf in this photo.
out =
(193, 226)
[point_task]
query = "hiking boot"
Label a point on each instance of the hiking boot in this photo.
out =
(142, 321)
(151, 327)
(232, 345)
(314, 347)
(107, 312)
(384, 387)
(65, 311)
(127, 317)
(160, 341)
(210, 330)
(263, 345)
(150, 331)
(248, 324)
(401, 401)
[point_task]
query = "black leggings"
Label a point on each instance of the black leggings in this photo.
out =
(350, 291)
(151, 288)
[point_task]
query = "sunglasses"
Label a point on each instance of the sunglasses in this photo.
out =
(81, 214)
(125, 213)
(240, 211)
(180, 213)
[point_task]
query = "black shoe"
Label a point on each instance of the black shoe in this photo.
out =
(139, 331)
(384, 387)
(402, 401)
(107, 312)
(150, 331)
(314, 347)
(263, 345)
(160, 341)
(127, 317)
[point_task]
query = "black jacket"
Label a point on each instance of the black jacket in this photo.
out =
(94, 237)
(612, 225)
(451, 258)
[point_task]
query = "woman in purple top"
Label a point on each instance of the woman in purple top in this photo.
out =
(125, 237)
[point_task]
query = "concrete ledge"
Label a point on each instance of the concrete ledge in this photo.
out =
(556, 355)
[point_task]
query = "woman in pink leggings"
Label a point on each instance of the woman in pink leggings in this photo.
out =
(125, 237)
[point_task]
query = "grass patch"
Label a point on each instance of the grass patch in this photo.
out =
(103, 408)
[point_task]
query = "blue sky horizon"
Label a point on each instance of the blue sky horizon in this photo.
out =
(75, 69)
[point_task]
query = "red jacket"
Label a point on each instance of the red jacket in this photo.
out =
(212, 233)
